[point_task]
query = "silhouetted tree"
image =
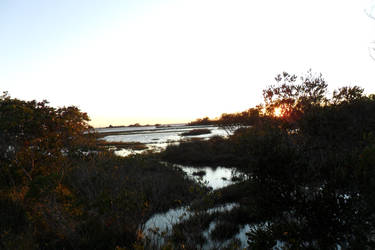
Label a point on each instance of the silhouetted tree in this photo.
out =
(347, 94)
(295, 95)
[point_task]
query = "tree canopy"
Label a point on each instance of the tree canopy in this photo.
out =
(35, 137)
(310, 170)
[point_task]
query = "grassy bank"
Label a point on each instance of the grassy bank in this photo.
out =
(192, 132)
(214, 152)
(121, 145)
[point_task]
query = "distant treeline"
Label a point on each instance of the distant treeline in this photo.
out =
(202, 121)
(133, 125)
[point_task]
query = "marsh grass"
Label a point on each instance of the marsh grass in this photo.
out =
(196, 152)
(200, 173)
(190, 231)
(122, 145)
(224, 230)
(107, 199)
(208, 229)
(202, 131)
(129, 189)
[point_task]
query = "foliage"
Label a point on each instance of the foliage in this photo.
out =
(295, 97)
(305, 170)
(232, 122)
(310, 176)
(202, 121)
(60, 190)
(35, 139)
(310, 170)
(36, 143)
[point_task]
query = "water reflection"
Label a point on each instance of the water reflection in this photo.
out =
(158, 139)
(214, 177)
(162, 223)
(155, 138)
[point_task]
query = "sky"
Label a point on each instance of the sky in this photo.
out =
(165, 61)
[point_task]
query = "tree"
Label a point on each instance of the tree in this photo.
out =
(295, 97)
(314, 180)
(347, 94)
(36, 138)
(232, 122)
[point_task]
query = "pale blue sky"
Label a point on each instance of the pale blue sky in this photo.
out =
(173, 61)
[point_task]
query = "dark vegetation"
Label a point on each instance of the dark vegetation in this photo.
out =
(310, 171)
(120, 145)
(202, 131)
(308, 184)
(131, 125)
(117, 126)
(135, 125)
(213, 152)
(60, 190)
(203, 121)
(200, 173)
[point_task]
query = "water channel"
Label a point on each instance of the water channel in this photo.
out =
(158, 138)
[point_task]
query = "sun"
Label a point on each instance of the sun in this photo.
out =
(277, 112)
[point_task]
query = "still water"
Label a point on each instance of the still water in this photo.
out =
(214, 178)
(155, 138)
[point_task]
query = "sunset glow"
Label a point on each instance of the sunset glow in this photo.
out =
(277, 112)
(162, 61)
